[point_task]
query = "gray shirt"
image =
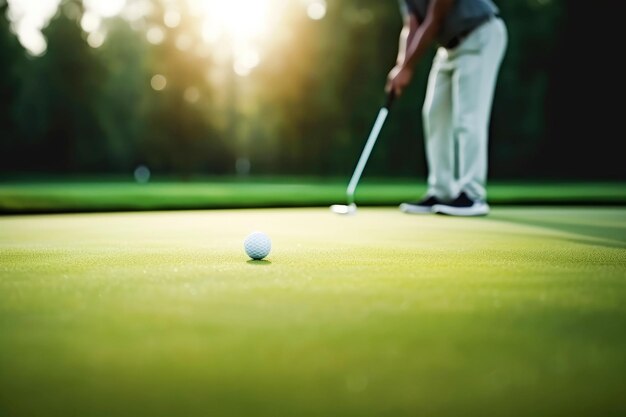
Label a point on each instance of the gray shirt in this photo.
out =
(465, 15)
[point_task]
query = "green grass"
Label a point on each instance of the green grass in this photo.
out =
(106, 195)
(521, 313)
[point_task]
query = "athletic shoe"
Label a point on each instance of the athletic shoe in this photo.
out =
(462, 206)
(423, 206)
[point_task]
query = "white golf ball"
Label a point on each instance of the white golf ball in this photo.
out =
(257, 245)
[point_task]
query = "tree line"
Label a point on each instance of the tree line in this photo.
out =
(308, 106)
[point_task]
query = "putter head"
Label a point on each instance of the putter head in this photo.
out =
(349, 209)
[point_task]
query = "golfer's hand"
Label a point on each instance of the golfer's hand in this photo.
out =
(399, 79)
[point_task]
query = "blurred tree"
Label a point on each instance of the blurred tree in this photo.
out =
(11, 53)
(183, 133)
(120, 100)
(519, 117)
(584, 107)
(55, 109)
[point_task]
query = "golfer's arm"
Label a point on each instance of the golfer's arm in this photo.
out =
(426, 32)
(406, 37)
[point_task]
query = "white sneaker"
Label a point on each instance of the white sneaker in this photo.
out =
(462, 206)
(424, 206)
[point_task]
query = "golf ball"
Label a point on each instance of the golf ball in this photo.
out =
(257, 245)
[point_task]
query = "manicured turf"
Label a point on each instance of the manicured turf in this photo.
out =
(107, 195)
(522, 313)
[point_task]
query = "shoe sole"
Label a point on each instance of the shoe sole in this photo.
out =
(412, 209)
(474, 211)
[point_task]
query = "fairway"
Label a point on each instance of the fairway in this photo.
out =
(521, 313)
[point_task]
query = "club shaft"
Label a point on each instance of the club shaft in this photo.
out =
(369, 145)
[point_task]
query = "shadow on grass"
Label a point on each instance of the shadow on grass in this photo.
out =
(262, 262)
(610, 236)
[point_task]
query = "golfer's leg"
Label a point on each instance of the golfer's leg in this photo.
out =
(438, 133)
(474, 85)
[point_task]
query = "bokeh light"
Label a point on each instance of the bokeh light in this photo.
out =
(155, 35)
(90, 22)
(28, 18)
(171, 18)
(96, 39)
(158, 82)
(192, 94)
(142, 174)
(316, 9)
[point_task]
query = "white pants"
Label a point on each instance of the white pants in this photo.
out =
(457, 111)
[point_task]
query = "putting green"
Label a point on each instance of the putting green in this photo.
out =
(521, 313)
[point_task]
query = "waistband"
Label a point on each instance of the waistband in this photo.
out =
(454, 42)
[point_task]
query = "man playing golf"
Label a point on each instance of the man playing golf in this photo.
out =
(471, 40)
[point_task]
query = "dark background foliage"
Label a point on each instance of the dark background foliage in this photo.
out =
(308, 107)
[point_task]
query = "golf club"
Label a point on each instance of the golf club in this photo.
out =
(350, 208)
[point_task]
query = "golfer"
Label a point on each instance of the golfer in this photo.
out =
(471, 41)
